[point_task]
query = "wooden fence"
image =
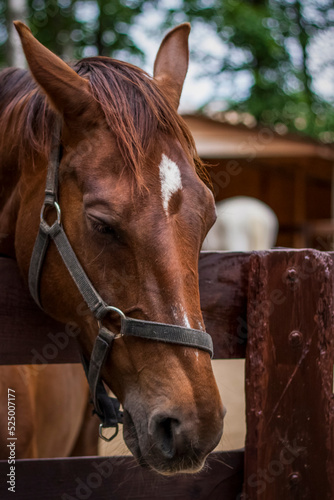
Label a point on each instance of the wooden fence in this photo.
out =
(283, 299)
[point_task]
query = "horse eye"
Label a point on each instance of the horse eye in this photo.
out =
(103, 228)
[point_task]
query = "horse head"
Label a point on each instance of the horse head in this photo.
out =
(136, 211)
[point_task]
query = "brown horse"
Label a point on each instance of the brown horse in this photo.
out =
(53, 418)
(136, 210)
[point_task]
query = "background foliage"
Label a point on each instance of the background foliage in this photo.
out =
(277, 46)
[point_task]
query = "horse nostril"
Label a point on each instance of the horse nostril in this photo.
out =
(165, 435)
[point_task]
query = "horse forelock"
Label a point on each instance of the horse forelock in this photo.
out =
(134, 107)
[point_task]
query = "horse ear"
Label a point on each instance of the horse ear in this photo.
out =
(171, 63)
(68, 92)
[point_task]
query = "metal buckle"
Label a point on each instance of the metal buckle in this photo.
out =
(54, 205)
(121, 314)
(106, 438)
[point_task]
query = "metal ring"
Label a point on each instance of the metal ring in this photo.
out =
(116, 310)
(104, 437)
(54, 205)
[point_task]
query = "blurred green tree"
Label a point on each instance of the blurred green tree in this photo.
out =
(269, 44)
(270, 40)
(73, 28)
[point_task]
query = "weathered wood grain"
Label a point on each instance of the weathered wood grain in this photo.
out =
(25, 330)
(223, 279)
(289, 377)
(119, 478)
(27, 335)
(285, 300)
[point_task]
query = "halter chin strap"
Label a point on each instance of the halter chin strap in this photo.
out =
(105, 407)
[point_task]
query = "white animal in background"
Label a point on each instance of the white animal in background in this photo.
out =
(243, 224)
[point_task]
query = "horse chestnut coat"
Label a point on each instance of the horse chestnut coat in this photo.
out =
(136, 211)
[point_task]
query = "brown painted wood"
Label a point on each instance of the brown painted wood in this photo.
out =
(286, 298)
(289, 377)
(267, 178)
(119, 478)
(223, 286)
(29, 336)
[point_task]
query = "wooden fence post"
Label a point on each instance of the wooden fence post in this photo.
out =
(289, 377)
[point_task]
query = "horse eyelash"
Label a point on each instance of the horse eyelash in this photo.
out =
(103, 228)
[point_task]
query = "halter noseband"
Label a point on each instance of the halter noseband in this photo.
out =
(105, 407)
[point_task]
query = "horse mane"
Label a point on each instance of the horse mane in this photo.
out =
(134, 107)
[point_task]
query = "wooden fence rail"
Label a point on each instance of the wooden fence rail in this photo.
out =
(283, 298)
(28, 336)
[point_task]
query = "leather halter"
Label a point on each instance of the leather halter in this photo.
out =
(105, 407)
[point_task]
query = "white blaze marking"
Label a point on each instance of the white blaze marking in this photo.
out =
(187, 324)
(170, 178)
(186, 320)
(200, 326)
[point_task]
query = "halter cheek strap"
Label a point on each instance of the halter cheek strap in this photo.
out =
(107, 408)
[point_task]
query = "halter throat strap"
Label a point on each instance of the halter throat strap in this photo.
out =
(105, 407)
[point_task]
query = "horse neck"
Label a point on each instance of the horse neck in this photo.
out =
(8, 217)
(16, 181)
(9, 199)
(11, 89)
(9, 170)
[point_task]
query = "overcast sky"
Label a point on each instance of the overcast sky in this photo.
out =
(198, 88)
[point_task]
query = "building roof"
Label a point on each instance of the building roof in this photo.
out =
(216, 139)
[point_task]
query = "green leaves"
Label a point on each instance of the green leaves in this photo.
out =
(77, 28)
(274, 36)
(268, 41)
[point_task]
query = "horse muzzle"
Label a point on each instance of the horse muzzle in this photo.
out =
(169, 441)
